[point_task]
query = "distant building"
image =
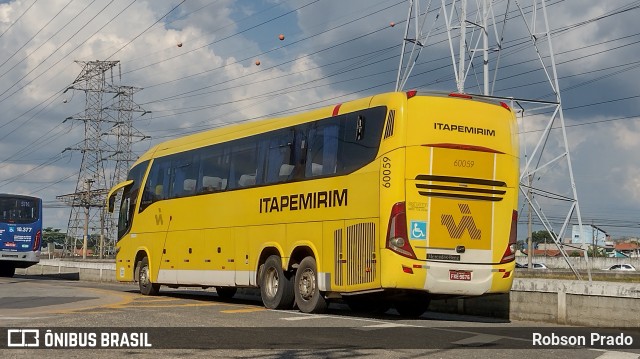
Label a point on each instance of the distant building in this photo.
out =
(590, 236)
(628, 249)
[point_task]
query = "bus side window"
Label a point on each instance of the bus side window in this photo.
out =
(130, 198)
(243, 164)
(322, 155)
(279, 159)
(299, 155)
(157, 185)
(214, 169)
(185, 173)
(360, 136)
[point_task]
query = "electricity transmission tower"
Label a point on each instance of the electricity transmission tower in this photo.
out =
(93, 183)
(125, 133)
(475, 33)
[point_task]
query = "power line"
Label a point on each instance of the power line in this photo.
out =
(19, 17)
(140, 34)
(36, 34)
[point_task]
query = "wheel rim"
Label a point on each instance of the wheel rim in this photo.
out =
(271, 281)
(144, 276)
(307, 284)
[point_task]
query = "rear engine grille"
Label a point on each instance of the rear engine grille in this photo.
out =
(359, 263)
(461, 188)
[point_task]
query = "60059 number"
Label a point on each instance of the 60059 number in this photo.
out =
(463, 163)
(386, 172)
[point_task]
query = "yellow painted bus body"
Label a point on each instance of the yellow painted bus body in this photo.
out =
(451, 163)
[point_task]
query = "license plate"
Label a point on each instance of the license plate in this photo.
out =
(459, 275)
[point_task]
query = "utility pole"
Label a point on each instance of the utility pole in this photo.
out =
(87, 206)
(530, 232)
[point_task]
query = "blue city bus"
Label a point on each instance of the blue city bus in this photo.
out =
(20, 232)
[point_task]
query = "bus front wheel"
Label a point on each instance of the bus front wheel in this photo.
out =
(144, 281)
(308, 296)
(276, 289)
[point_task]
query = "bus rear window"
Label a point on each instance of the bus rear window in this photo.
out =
(18, 210)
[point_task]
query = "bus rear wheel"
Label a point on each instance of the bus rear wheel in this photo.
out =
(414, 307)
(308, 296)
(144, 281)
(7, 271)
(367, 304)
(276, 289)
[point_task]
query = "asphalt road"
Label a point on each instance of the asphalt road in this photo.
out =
(196, 323)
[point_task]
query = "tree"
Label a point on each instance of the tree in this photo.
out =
(53, 235)
(596, 252)
(541, 237)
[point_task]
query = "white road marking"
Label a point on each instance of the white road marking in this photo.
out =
(478, 339)
(618, 355)
(305, 317)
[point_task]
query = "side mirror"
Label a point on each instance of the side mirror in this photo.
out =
(111, 197)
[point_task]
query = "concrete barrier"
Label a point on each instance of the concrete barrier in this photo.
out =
(598, 304)
(567, 302)
(80, 270)
(570, 302)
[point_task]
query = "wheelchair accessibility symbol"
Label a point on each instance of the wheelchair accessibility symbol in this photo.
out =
(418, 230)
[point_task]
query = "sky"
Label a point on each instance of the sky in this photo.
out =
(193, 64)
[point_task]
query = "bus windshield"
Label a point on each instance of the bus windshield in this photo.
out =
(18, 210)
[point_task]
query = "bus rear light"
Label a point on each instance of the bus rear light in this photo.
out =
(407, 269)
(510, 253)
(411, 93)
(397, 238)
(460, 95)
(36, 242)
(459, 146)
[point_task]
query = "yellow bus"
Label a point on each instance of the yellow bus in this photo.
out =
(392, 199)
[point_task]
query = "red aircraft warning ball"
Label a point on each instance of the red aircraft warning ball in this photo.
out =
(281, 37)
(257, 62)
(392, 24)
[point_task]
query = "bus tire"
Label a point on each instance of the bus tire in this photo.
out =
(144, 281)
(412, 308)
(367, 305)
(276, 289)
(7, 271)
(308, 296)
(226, 292)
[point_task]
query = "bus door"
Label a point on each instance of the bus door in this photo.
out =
(164, 254)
